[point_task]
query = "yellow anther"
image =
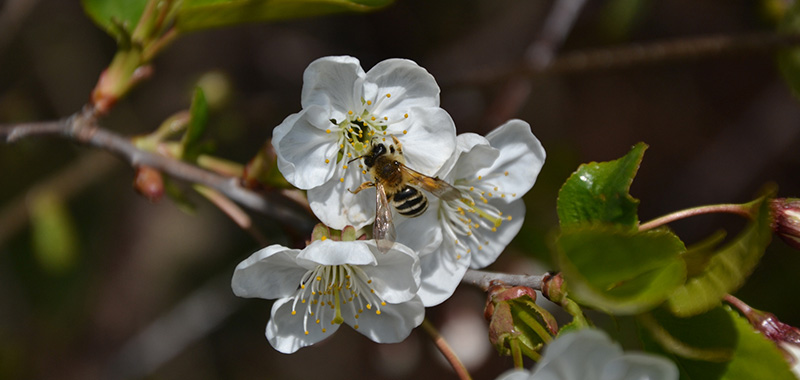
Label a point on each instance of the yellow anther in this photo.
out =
(306, 332)
(472, 188)
(479, 177)
(509, 217)
(344, 166)
(341, 179)
(378, 312)
(369, 102)
(385, 118)
(480, 247)
(355, 327)
(383, 303)
(327, 131)
(294, 312)
(369, 306)
(506, 172)
(349, 112)
(388, 95)
(303, 300)
(373, 118)
(323, 238)
(319, 278)
(405, 132)
(341, 146)
(494, 229)
(327, 161)
(405, 116)
(324, 330)
(317, 321)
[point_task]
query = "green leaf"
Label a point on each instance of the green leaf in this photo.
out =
(727, 269)
(197, 125)
(733, 350)
(789, 58)
(618, 270)
(114, 16)
(55, 243)
(598, 192)
(205, 14)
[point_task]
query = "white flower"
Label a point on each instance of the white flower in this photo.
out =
(493, 173)
(794, 352)
(589, 354)
(343, 108)
(333, 282)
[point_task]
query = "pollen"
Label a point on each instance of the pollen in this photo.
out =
(405, 116)
(323, 239)
(327, 131)
(388, 95)
(341, 179)
(327, 161)
(405, 132)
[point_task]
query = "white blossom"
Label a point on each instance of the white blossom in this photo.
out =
(492, 173)
(333, 282)
(589, 354)
(342, 109)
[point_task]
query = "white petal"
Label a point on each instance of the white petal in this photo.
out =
(337, 207)
(396, 276)
(580, 355)
(442, 272)
(422, 234)
(521, 155)
(302, 145)
(638, 366)
(430, 139)
(515, 374)
(330, 252)
(408, 84)
(270, 273)
(395, 322)
(333, 83)
(475, 154)
(498, 240)
(286, 333)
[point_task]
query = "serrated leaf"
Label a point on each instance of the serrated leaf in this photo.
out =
(618, 270)
(55, 243)
(197, 126)
(746, 353)
(109, 15)
(598, 192)
(205, 14)
(727, 269)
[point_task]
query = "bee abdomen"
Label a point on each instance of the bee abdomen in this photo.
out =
(410, 202)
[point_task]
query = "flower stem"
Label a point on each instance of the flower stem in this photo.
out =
(445, 349)
(738, 209)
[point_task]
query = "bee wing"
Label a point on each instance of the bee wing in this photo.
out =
(436, 186)
(383, 229)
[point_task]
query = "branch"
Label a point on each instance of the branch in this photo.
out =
(483, 279)
(83, 128)
(633, 55)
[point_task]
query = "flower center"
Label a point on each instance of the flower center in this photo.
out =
(327, 289)
(472, 216)
(357, 129)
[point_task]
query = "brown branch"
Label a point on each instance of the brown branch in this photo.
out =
(632, 55)
(83, 128)
(483, 279)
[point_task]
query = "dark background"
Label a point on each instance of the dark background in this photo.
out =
(147, 293)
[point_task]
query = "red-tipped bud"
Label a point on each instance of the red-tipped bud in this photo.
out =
(149, 183)
(516, 320)
(786, 220)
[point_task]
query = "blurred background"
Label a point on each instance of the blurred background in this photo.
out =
(124, 288)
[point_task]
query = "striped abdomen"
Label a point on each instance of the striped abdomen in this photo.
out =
(409, 202)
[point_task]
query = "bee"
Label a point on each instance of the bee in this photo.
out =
(397, 184)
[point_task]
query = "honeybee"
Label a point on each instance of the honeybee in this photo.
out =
(396, 184)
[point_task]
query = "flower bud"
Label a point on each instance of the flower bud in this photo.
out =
(786, 220)
(149, 183)
(516, 322)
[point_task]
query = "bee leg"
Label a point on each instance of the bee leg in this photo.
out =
(362, 187)
(398, 145)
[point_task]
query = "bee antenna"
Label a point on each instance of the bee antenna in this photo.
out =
(361, 156)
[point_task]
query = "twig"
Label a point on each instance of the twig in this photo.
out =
(446, 350)
(234, 212)
(554, 32)
(83, 128)
(633, 55)
(483, 279)
(737, 209)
